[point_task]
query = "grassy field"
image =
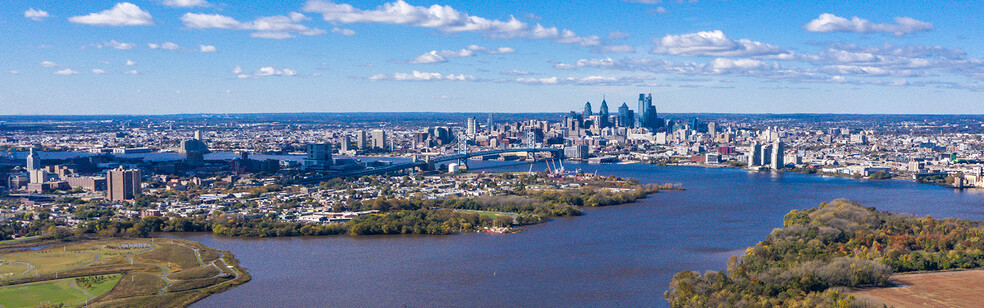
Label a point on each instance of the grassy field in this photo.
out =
(54, 292)
(486, 213)
(48, 261)
(116, 272)
(944, 289)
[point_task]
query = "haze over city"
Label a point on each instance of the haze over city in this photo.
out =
(213, 56)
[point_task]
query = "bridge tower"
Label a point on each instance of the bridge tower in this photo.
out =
(462, 150)
(530, 144)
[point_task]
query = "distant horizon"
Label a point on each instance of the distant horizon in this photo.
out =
(477, 113)
(217, 56)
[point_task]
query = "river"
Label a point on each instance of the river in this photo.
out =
(614, 256)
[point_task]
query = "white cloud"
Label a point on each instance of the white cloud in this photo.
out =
(186, 3)
(66, 71)
(271, 27)
(98, 71)
(122, 14)
(564, 66)
(36, 15)
(264, 72)
(342, 31)
(516, 73)
(422, 76)
(165, 46)
(48, 64)
(660, 10)
(118, 45)
(129, 63)
(712, 44)
(831, 23)
(429, 57)
(721, 65)
(444, 19)
(439, 56)
(616, 49)
(207, 48)
(606, 62)
(618, 35)
(586, 80)
(500, 50)
(237, 70)
(131, 72)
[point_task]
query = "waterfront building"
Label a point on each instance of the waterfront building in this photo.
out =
(579, 151)
(379, 139)
(755, 154)
(360, 140)
(777, 159)
(122, 184)
(318, 155)
(345, 145)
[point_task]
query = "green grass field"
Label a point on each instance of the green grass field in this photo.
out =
(485, 213)
(11, 271)
(53, 292)
(47, 261)
(103, 269)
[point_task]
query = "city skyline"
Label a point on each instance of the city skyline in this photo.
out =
(198, 56)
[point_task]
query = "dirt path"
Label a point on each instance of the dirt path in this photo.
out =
(74, 286)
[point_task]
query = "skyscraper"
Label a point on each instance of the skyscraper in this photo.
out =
(472, 128)
(754, 154)
(587, 111)
(379, 139)
(122, 184)
(778, 150)
(626, 118)
(346, 145)
(647, 112)
(33, 160)
(360, 140)
(603, 111)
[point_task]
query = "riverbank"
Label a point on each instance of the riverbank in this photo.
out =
(821, 253)
(113, 272)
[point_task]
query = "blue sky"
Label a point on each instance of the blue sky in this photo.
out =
(215, 56)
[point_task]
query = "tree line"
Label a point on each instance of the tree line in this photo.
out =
(821, 251)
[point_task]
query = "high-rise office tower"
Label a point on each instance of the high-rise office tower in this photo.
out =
(711, 128)
(379, 139)
(587, 110)
(33, 160)
(603, 112)
(651, 119)
(625, 116)
(122, 184)
(472, 127)
(646, 116)
(360, 140)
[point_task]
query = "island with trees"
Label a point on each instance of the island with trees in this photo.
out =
(822, 254)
